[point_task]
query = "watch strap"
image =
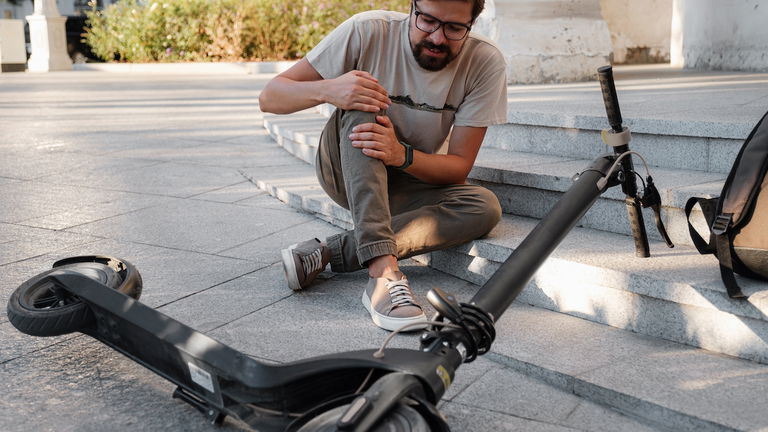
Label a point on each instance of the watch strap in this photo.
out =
(408, 156)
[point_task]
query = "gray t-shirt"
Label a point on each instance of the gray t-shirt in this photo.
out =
(469, 91)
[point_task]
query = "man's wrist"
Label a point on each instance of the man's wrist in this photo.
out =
(408, 156)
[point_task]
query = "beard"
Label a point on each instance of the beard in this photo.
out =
(429, 62)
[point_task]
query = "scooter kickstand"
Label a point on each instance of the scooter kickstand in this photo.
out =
(214, 415)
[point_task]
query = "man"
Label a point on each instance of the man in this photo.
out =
(400, 83)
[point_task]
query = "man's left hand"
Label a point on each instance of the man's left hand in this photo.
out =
(378, 140)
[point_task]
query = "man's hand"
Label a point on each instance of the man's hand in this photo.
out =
(357, 90)
(378, 140)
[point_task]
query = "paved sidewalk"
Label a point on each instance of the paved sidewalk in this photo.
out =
(149, 168)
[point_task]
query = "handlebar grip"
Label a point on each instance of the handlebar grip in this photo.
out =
(610, 99)
(635, 213)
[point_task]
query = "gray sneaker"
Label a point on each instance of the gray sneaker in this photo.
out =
(391, 303)
(303, 262)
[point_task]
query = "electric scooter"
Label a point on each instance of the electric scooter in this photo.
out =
(368, 390)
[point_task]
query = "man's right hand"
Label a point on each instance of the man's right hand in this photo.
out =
(302, 87)
(357, 90)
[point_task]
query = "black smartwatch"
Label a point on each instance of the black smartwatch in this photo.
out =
(408, 156)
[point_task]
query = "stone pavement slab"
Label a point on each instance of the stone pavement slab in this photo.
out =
(168, 179)
(26, 242)
(236, 193)
(238, 298)
(197, 225)
(46, 159)
(468, 418)
(116, 204)
(267, 249)
(16, 344)
(531, 399)
(83, 386)
(26, 200)
(241, 152)
(168, 274)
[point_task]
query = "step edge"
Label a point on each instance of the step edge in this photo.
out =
(622, 402)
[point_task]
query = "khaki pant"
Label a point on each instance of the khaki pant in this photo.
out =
(394, 213)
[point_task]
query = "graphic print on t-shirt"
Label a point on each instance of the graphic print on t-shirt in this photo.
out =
(406, 100)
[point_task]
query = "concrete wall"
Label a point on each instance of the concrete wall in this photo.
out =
(13, 54)
(720, 34)
(640, 29)
(552, 40)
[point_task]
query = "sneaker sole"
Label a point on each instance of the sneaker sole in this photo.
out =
(289, 267)
(389, 323)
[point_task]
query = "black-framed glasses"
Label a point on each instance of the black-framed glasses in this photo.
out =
(451, 30)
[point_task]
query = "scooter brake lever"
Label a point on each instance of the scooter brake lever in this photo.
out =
(660, 225)
(445, 304)
(651, 198)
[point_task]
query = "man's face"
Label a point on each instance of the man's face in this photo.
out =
(433, 51)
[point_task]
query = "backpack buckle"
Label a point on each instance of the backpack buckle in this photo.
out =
(721, 223)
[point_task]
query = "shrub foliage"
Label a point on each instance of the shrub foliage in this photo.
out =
(218, 30)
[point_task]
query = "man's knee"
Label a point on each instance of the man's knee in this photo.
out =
(477, 208)
(352, 118)
(490, 213)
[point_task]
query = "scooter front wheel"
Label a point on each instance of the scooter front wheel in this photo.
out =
(41, 306)
(402, 418)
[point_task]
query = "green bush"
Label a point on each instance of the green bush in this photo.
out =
(218, 30)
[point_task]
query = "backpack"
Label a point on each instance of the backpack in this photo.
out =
(738, 218)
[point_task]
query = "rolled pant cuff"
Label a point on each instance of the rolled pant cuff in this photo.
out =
(370, 251)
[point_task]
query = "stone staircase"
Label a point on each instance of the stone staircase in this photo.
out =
(689, 128)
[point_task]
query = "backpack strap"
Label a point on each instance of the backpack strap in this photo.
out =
(719, 240)
(724, 249)
(708, 207)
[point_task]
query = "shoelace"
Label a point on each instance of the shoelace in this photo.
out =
(313, 261)
(400, 293)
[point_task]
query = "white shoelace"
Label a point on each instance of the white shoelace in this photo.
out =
(313, 261)
(400, 293)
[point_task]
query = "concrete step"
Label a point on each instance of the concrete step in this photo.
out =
(646, 363)
(679, 119)
(671, 386)
(676, 294)
(529, 184)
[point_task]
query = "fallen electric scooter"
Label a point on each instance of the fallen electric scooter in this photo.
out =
(369, 390)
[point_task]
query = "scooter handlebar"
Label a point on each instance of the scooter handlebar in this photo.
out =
(629, 185)
(637, 225)
(611, 101)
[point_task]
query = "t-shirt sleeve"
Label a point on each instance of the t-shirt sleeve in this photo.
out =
(486, 102)
(338, 52)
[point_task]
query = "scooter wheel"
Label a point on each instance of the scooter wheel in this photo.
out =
(402, 418)
(42, 307)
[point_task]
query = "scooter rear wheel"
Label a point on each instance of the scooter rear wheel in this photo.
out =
(402, 418)
(42, 307)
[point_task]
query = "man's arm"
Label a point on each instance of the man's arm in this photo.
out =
(453, 167)
(302, 87)
(378, 140)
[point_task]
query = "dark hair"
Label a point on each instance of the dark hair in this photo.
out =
(477, 7)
